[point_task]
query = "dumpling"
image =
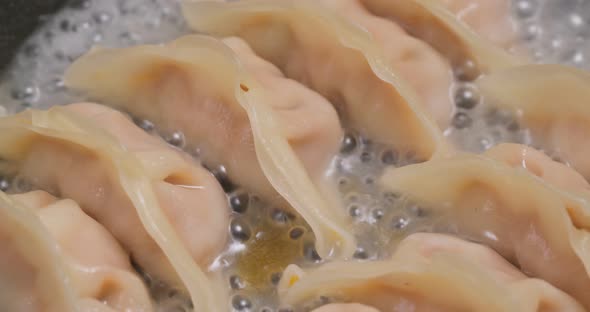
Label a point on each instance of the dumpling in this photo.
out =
(550, 101)
(337, 59)
(101, 275)
(170, 214)
(275, 137)
(489, 19)
(413, 60)
(540, 165)
(523, 213)
(431, 21)
(428, 272)
(33, 276)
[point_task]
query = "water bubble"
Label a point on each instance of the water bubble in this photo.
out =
(176, 139)
(81, 26)
(240, 230)
(400, 222)
(526, 8)
(531, 31)
(22, 185)
(236, 283)
(65, 25)
(310, 253)
(466, 97)
(48, 36)
(279, 216)
(102, 17)
(296, 233)
(366, 157)
(354, 211)
(55, 85)
(361, 253)
(391, 197)
(97, 37)
(577, 22)
(31, 50)
(575, 57)
(378, 214)
(462, 121)
(343, 183)
(275, 278)
(241, 303)
(129, 37)
(144, 124)
(348, 144)
(239, 201)
(25, 93)
(496, 117)
(466, 71)
(220, 174)
(390, 157)
(486, 142)
(513, 126)
(4, 184)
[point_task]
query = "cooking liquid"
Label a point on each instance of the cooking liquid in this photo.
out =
(265, 239)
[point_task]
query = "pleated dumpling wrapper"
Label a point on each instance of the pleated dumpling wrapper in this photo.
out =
(169, 213)
(332, 56)
(542, 166)
(552, 102)
(276, 138)
(491, 20)
(97, 268)
(530, 209)
(418, 63)
(433, 22)
(428, 272)
(33, 276)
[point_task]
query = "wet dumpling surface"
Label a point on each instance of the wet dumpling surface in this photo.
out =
(298, 155)
(101, 275)
(248, 118)
(428, 272)
(139, 192)
(413, 60)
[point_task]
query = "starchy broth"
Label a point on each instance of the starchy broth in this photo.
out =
(374, 250)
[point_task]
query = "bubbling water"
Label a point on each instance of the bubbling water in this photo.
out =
(551, 32)
(266, 238)
(35, 79)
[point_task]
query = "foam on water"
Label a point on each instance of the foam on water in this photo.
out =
(36, 77)
(266, 238)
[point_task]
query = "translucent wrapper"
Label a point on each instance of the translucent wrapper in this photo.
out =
(551, 101)
(519, 206)
(429, 272)
(328, 54)
(27, 247)
(98, 269)
(133, 175)
(276, 137)
(490, 19)
(431, 21)
(415, 61)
